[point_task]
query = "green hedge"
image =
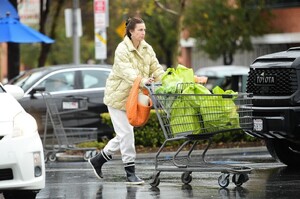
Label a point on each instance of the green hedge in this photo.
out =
(151, 135)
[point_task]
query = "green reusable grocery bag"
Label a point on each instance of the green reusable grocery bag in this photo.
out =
(218, 112)
(184, 118)
(229, 116)
(187, 74)
(195, 89)
(169, 81)
(172, 77)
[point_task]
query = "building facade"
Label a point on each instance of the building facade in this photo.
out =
(286, 27)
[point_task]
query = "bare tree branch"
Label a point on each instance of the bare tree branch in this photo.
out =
(160, 5)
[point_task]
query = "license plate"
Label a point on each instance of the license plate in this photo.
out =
(257, 124)
(70, 105)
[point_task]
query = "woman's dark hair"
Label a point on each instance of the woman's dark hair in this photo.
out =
(130, 24)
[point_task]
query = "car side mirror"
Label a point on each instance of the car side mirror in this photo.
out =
(16, 91)
(36, 90)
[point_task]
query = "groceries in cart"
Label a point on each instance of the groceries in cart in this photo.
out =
(191, 108)
(188, 111)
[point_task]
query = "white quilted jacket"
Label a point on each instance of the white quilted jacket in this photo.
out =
(129, 63)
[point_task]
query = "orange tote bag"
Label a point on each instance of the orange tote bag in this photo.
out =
(138, 112)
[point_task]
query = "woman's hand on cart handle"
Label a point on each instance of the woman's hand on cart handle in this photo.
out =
(201, 79)
(148, 80)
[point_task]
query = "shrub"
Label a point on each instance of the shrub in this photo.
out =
(151, 135)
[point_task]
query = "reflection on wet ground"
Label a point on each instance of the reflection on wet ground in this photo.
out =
(268, 179)
(76, 180)
(283, 183)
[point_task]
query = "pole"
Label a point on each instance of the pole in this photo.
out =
(13, 54)
(76, 41)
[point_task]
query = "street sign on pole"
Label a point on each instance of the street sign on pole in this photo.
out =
(69, 22)
(121, 29)
(101, 22)
(76, 40)
(100, 44)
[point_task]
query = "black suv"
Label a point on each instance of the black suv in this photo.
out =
(274, 80)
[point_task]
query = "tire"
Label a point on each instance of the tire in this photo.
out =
(284, 151)
(28, 194)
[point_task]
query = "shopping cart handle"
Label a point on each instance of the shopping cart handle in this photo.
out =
(151, 87)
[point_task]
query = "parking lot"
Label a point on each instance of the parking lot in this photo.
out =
(268, 179)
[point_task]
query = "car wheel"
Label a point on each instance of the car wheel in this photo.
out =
(13, 194)
(284, 151)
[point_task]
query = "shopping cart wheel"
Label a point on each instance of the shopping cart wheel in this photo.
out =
(186, 177)
(239, 179)
(94, 153)
(87, 155)
(52, 157)
(155, 180)
(223, 180)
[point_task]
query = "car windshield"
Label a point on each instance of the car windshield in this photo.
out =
(26, 80)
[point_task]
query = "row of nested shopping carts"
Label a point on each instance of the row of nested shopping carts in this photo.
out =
(58, 139)
(189, 119)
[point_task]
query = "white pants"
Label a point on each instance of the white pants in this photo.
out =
(124, 139)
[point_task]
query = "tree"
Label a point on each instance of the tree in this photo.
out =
(225, 27)
(162, 31)
(45, 48)
(165, 25)
(162, 20)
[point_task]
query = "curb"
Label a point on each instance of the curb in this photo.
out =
(62, 157)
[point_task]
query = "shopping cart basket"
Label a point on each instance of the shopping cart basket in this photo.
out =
(63, 139)
(190, 118)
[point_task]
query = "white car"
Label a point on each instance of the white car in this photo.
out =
(22, 166)
(222, 76)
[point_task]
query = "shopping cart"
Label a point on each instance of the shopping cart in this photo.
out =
(189, 118)
(62, 139)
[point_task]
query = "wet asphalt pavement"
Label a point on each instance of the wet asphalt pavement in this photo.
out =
(268, 179)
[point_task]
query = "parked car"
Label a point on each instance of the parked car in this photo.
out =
(22, 167)
(226, 76)
(68, 85)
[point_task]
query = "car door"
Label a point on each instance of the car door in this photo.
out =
(93, 82)
(59, 84)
